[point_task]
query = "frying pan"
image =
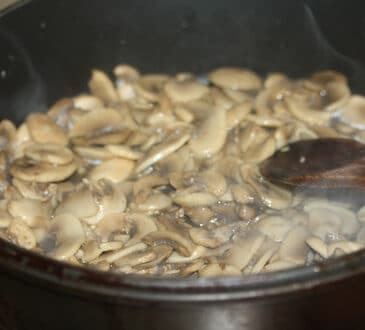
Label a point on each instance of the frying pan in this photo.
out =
(47, 49)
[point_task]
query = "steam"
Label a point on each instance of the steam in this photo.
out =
(22, 87)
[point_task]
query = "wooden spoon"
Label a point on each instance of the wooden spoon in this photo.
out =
(319, 163)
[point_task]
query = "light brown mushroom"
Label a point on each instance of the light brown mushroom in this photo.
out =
(101, 86)
(21, 234)
(69, 236)
(185, 90)
(43, 129)
(210, 136)
(30, 170)
(99, 127)
(115, 170)
(235, 78)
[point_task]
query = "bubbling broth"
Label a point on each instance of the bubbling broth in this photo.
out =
(158, 175)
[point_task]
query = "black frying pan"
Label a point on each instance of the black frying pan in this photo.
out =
(47, 49)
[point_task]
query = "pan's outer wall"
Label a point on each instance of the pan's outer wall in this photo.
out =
(27, 305)
(47, 49)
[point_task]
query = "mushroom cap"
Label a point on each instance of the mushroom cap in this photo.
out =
(235, 78)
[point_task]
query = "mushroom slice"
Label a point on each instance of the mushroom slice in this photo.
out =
(115, 170)
(212, 238)
(322, 213)
(244, 249)
(353, 113)
(144, 225)
(124, 151)
(148, 182)
(195, 199)
(271, 195)
(151, 86)
(243, 193)
(155, 202)
(21, 234)
(194, 267)
(235, 78)
(179, 243)
(114, 224)
(30, 170)
(260, 151)
(99, 127)
(136, 258)
(93, 153)
(7, 134)
(173, 143)
(275, 227)
(294, 248)
(237, 114)
(211, 270)
(69, 236)
(318, 246)
(33, 212)
(34, 190)
(327, 76)
(214, 182)
(50, 153)
(261, 263)
(345, 246)
(87, 102)
(303, 112)
(102, 87)
(43, 129)
(279, 265)
(185, 90)
(113, 256)
(161, 252)
(79, 203)
(5, 219)
(210, 135)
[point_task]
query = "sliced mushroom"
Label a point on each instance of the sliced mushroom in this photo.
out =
(80, 203)
(30, 170)
(345, 246)
(115, 255)
(332, 217)
(115, 170)
(210, 136)
(144, 224)
(237, 114)
(294, 248)
(235, 78)
(124, 151)
(7, 134)
(212, 238)
(275, 227)
(50, 153)
(87, 102)
(175, 240)
(161, 253)
(99, 127)
(244, 250)
(151, 86)
(34, 190)
(318, 246)
(102, 87)
(43, 129)
(185, 90)
(33, 212)
(353, 113)
(69, 236)
(21, 234)
(195, 199)
(5, 219)
(155, 202)
(173, 142)
(214, 182)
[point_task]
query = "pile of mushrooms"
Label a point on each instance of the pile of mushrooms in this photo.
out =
(158, 175)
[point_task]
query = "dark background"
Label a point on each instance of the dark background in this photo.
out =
(47, 48)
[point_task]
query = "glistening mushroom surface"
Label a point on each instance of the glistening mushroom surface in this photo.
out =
(157, 174)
